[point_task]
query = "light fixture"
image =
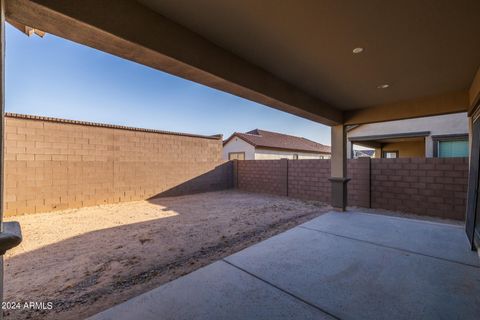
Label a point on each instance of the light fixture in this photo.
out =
(357, 50)
(383, 86)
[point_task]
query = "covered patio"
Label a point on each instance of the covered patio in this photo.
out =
(338, 266)
(336, 63)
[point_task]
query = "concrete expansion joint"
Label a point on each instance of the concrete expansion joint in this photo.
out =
(389, 247)
(281, 289)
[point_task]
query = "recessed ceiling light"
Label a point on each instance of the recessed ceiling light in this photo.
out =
(383, 86)
(357, 50)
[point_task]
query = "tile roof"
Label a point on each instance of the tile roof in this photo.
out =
(267, 139)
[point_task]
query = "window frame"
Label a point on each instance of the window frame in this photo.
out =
(445, 138)
(230, 153)
(397, 154)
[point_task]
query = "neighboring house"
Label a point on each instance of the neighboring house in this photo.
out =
(265, 145)
(439, 136)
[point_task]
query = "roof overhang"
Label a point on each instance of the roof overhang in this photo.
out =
(303, 65)
(376, 141)
(390, 136)
(130, 30)
(236, 136)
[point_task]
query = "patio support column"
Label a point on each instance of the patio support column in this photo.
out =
(338, 165)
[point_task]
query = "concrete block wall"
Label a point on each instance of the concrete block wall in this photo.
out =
(303, 179)
(434, 186)
(263, 176)
(308, 179)
(54, 164)
(359, 185)
(425, 186)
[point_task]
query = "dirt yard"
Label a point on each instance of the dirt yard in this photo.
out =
(86, 260)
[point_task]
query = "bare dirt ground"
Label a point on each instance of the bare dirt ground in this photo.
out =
(86, 260)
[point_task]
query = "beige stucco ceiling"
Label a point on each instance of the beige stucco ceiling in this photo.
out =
(421, 48)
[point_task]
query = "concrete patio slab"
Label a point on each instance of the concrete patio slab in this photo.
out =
(441, 240)
(217, 291)
(354, 279)
(321, 269)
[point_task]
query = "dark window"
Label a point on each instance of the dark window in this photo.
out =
(295, 157)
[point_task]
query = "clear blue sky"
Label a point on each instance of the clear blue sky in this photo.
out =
(58, 78)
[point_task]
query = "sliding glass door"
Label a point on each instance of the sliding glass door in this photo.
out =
(473, 202)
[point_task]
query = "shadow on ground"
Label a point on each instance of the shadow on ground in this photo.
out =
(92, 271)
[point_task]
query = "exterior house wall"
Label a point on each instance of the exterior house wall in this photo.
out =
(270, 154)
(238, 145)
(51, 165)
(252, 153)
(437, 125)
(406, 149)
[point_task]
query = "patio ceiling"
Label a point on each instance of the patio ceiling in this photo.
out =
(376, 141)
(295, 56)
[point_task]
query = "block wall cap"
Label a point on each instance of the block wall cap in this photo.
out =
(111, 126)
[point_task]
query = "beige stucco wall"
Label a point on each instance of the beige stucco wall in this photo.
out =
(251, 153)
(268, 154)
(456, 123)
(411, 149)
(238, 145)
